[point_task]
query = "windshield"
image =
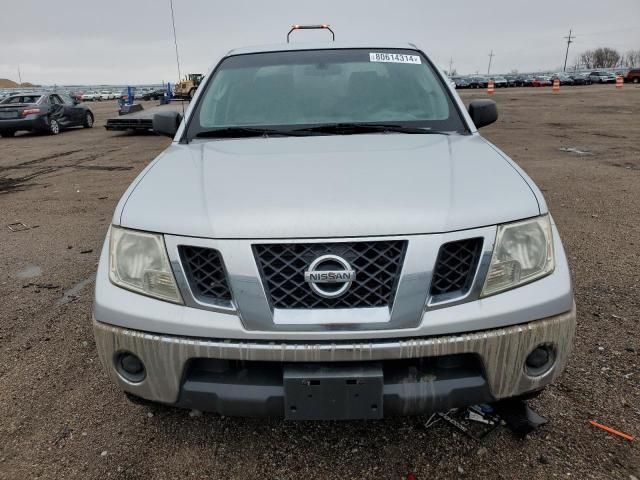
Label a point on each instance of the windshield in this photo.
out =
(298, 89)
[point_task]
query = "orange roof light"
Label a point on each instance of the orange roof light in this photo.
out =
(324, 26)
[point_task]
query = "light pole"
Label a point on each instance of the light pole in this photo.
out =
(566, 55)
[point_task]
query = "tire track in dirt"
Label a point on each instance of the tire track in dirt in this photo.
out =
(10, 184)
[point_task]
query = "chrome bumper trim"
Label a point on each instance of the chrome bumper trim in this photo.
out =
(502, 351)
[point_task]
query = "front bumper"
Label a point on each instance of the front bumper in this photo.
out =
(501, 354)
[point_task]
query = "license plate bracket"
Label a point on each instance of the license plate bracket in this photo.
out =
(333, 392)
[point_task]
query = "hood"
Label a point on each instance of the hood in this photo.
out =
(327, 186)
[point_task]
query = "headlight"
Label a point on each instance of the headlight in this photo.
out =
(523, 252)
(138, 261)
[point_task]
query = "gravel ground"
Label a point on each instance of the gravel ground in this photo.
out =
(61, 418)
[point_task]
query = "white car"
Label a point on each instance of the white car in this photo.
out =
(107, 95)
(91, 96)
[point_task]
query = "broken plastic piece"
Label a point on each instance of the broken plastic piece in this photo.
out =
(519, 417)
(457, 418)
(612, 431)
(17, 227)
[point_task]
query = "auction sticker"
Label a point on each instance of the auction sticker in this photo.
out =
(394, 58)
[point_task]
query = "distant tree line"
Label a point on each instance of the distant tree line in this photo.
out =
(605, 57)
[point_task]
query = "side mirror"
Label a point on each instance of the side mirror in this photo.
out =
(166, 123)
(483, 112)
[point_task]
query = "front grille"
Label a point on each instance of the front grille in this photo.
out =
(456, 267)
(205, 273)
(377, 266)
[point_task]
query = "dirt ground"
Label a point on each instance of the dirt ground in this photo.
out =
(61, 418)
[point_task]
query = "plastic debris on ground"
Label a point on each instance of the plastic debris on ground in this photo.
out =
(19, 227)
(478, 421)
(612, 431)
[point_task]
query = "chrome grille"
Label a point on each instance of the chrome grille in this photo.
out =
(205, 273)
(456, 266)
(377, 265)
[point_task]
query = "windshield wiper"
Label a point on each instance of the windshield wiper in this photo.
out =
(244, 132)
(356, 128)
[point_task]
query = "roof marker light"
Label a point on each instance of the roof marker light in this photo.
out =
(324, 26)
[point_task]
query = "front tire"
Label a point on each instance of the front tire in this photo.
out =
(88, 120)
(192, 92)
(54, 127)
(636, 80)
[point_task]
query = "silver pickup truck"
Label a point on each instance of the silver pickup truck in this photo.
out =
(329, 237)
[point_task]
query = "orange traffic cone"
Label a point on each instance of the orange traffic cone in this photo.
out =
(556, 86)
(490, 87)
(619, 81)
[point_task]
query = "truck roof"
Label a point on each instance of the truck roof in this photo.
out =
(282, 47)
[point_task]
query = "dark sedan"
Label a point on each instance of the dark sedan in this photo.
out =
(461, 82)
(477, 82)
(563, 78)
(156, 94)
(42, 112)
(581, 79)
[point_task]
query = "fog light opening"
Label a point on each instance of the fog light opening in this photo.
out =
(130, 367)
(540, 360)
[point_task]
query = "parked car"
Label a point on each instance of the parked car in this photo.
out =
(563, 78)
(242, 275)
(526, 80)
(500, 82)
(76, 95)
(512, 80)
(154, 94)
(581, 79)
(91, 96)
(477, 82)
(107, 95)
(602, 77)
(632, 76)
(541, 81)
(461, 82)
(42, 112)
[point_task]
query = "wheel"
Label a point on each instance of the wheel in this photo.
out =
(7, 133)
(88, 120)
(192, 92)
(636, 80)
(54, 127)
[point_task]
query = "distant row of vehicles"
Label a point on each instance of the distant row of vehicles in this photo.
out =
(93, 96)
(148, 93)
(544, 80)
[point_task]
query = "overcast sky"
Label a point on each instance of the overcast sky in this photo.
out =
(130, 41)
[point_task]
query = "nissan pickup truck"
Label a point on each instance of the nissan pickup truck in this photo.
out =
(328, 236)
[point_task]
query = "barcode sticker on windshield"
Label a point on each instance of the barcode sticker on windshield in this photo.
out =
(394, 58)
